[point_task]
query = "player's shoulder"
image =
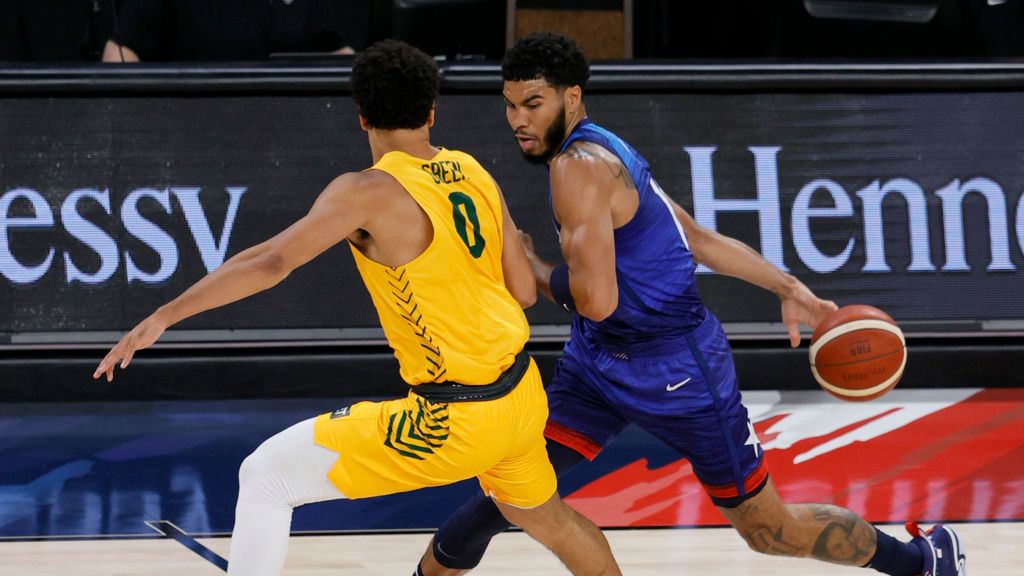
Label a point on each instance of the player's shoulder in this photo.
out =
(584, 152)
(582, 158)
(360, 181)
(365, 186)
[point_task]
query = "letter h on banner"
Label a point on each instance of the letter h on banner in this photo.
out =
(706, 206)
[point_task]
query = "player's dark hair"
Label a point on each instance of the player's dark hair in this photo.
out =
(555, 58)
(395, 85)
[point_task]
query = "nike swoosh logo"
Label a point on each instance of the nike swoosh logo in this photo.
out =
(443, 553)
(671, 387)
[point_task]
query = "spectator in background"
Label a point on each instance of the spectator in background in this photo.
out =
(183, 30)
(53, 30)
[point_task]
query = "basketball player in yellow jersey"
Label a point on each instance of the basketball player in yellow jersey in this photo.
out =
(439, 253)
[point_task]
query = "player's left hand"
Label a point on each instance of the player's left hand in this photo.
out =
(802, 307)
(142, 336)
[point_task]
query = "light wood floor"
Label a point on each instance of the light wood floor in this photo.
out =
(992, 550)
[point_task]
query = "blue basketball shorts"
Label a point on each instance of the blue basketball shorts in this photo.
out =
(684, 391)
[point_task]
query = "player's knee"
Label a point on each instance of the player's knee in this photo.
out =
(258, 477)
(249, 471)
(543, 522)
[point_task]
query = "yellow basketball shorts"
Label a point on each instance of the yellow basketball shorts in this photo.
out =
(410, 443)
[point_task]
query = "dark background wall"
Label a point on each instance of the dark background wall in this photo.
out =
(120, 190)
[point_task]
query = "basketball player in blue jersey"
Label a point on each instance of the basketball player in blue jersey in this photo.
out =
(644, 349)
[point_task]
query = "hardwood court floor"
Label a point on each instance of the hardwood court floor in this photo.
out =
(993, 549)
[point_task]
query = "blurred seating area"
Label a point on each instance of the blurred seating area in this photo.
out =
(89, 31)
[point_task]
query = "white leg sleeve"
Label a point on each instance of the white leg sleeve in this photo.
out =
(286, 471)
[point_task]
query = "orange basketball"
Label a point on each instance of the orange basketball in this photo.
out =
(858, 353)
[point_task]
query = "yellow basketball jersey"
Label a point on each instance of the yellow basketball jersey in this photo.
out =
(447, 313)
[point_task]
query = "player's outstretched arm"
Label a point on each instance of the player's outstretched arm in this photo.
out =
(340, 210)
(731, 257)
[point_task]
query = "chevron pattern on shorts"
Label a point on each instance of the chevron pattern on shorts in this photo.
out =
(417, 433)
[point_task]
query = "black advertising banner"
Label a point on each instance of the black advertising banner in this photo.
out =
(110, 206)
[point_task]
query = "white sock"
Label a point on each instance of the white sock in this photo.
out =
(286, 471)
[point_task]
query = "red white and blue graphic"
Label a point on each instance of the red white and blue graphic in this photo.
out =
(105, 469)
(913, 454)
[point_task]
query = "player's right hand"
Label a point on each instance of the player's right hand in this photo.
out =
(142, 336)
(802, 307)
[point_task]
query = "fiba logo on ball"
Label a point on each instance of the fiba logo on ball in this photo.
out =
(858, 353)
(859, 347)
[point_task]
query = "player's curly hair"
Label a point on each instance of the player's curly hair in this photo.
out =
(395, 85)
(553, 57)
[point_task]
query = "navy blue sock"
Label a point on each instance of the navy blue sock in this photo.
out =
(463, 538)
(418, 572)
(894, 557)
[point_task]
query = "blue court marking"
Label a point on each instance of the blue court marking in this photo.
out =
(171, 531)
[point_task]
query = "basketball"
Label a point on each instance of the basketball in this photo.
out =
(858, 353)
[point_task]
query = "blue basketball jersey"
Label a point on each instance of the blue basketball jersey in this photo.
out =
(658, 296)
(661, 360)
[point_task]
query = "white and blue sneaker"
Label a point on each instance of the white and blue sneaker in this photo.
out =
(940, 546)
